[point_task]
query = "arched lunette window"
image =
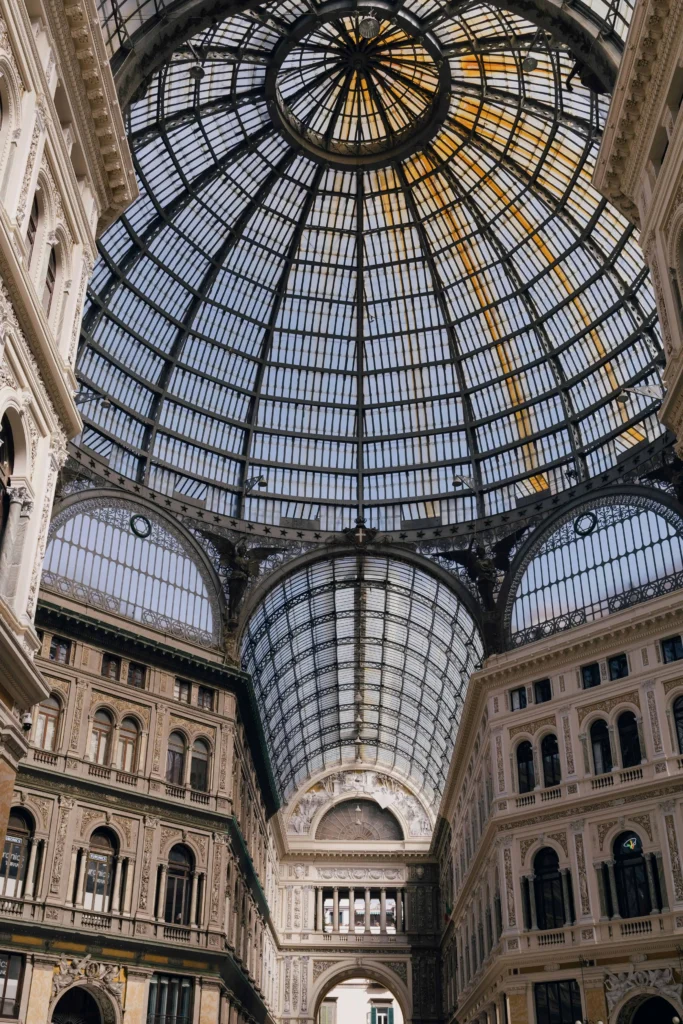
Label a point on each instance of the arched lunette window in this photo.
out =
(630, 872)
(678, 719)
(129, 737)
(629, 741)
(600, 745)
(15, 854)
(47, 724)
(100, 737)
(99, 871)
(178, 886)
(199, 766)
(550, 755)
(175, 759)
(526, 775)
(550, 901)
(6, 470)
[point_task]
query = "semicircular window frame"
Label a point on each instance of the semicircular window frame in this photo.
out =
(63, 575)
(574, 530)
(377, 818)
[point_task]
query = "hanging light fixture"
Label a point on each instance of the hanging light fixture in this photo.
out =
(368, 26)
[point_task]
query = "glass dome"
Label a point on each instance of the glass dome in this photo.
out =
(367, 276)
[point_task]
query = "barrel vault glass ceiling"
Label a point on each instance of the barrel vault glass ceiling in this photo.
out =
(361, 659)
(367, 277)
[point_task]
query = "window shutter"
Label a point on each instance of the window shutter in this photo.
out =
(373, 1015)
(390, 1015)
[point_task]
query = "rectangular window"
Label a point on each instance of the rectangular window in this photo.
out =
(328, 1012)
(205, 698)
(137, 675)
(672, 649)
(590, 675)
(111, 666)
(617, 666)
(170, 999)
(11, 975)
(182, 691)
(518, 698)
(542, 691)
(557, 1002)
(60, 650)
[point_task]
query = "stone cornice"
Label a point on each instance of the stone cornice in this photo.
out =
(635, 104)
(75, 28)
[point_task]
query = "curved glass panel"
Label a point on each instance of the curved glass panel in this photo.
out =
(600, 559)
(361, 659)
(440, 331)
(119, 557)
(122, 19)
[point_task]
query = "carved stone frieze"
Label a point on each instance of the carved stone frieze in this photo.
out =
(661, 982)
(533, 727)
(606, 705)
(388, 792)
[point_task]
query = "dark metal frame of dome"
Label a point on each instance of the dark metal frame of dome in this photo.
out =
(419, 133)
(594, 42)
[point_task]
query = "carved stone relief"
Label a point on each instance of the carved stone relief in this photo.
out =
(387, 792)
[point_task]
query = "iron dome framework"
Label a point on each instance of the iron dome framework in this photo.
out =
(437, 339)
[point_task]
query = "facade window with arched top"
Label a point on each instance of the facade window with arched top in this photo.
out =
(15, 855)
(99, 871)
(199, 766)
(526, 776)
(600, 745)
(629, 741)
(178, 886)
(100, 737)
(50, 280)
(32, 230)
(634, 898)
(129, 737)
(678, 719)
(550, 891)
(6, 470)
(47, 724)
(175, 759)
(550, 755)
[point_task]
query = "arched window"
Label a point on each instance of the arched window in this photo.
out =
(128, 745)
(199, 766)
(629, 741)
(630, 873)
(525, 767)
(32, 229)
(50, 280)
(100, 738)
(6, 469)
(550, 909)
(175, 759)
(99, 871)
(47, 724)
(550, 754)
(678, 719)
(15, 854)
(178, 886)
(602, 752)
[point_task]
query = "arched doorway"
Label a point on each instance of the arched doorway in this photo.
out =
(648, 1009)
(359, 999)
(77, 1006)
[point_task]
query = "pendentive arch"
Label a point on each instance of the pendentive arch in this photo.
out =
(392, 551)
(95, 503)
(637, 496)
(361, 967)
